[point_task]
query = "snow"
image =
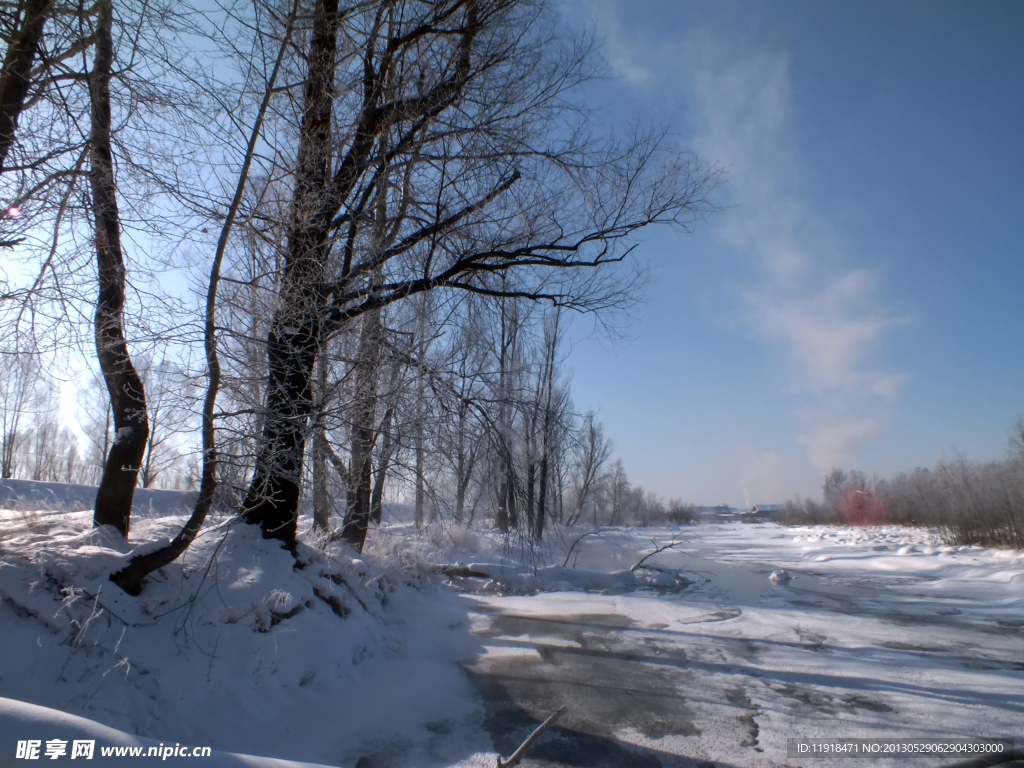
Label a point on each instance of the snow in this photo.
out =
(28, 495)
(240, 651)
(124, 434)
(377, 660)
(24, 722)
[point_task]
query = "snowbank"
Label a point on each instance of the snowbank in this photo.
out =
(25, 723)
(235, 648)
(32, 495)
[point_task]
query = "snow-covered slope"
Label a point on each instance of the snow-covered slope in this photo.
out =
(39, 730)
(233, 647)
(31, 495)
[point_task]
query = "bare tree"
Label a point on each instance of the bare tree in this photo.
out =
(458, 168)
(131, 577)
(551, 411)
(127, 393)
(23, 27)
(167, 393)
(19, 373)
(592, 453)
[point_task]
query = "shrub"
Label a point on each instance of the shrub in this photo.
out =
(968, 502)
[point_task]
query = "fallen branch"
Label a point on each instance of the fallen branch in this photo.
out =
(460, 570)
(565, 563)
(532, 739)
(670, 545)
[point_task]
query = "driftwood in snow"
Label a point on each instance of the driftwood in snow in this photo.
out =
(461, 570)
(532, 739)
(671, 545)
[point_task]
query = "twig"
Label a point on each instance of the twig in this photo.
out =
(670, 545)
(532, 739)
(92, 615)
(96, 598)
(578, 540)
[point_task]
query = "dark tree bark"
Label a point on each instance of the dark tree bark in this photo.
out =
(531, 481)
(321, 498)
(15, 76)
(548, 382)
(387, 449)
(421, 392)
(420, 495)
(542, 493)
(295, 335)
(364, 433)
(465, 461)
(507, 517)
(127, 395)
(389, 443)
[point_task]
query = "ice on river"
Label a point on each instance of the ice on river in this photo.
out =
(880, 633)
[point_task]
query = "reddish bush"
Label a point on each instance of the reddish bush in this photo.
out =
(862, 508)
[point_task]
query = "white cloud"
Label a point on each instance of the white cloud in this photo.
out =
(830, 445)
(829, 331)
(817, 304)
(828, 319)
(617, 50)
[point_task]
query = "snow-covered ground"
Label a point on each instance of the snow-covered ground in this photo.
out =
(695, 658)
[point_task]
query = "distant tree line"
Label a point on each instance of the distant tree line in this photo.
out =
(968, 502)
(36, 443)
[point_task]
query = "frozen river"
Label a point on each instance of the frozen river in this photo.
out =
(880, 633)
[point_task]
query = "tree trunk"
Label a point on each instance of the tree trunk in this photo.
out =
(357, 518)
(542, 495)
(14, 78)
(273, 497)
(460, 498)
(383, 463)
(7, 454)
(321, 498)
(548, 382)
(531, 476)
(510, 488)
(294, 339)
(421, 494)
(127, 395)
(147, 475)
(131, 577)
(421, 333)
(502, 518)
(465, 461)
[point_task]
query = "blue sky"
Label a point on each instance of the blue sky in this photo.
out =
(857, 302)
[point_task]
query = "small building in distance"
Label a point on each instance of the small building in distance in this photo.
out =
(723, 513)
